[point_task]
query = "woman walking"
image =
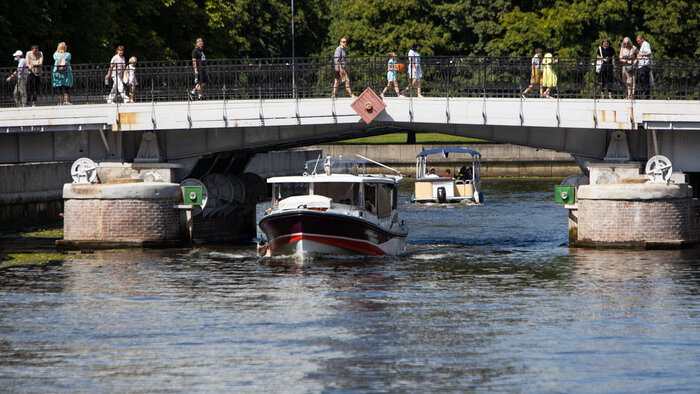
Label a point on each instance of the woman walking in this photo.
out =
(414, 71)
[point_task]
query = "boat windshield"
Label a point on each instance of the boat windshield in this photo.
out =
(338, 166)
(280, 191)
(339, 192)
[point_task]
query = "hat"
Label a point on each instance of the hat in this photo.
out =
(18, 53)
(199, 40)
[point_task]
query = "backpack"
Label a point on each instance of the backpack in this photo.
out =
(61, 64)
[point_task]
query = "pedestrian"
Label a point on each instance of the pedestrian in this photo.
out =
(20, 92)
(392, 71)
(628, 59)
(340, 68)
(199, 62)
(62, 78)
(606, 57)
(549, 76)
(644, 63)
(535, 72)
(414, 70)
(35, 59)
(116, 69)
(130, 81)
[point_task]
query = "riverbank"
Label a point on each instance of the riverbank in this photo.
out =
(497, 160)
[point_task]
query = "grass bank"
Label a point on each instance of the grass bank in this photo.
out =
(421, 138)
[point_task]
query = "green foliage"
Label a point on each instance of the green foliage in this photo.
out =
(166, 29)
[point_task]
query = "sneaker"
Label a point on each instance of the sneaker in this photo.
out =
(522, 96)
(67, 103)
(402, 96)
(200, 97)
(382, 96)
(420, 95)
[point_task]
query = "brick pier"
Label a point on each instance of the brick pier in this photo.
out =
(113, 215)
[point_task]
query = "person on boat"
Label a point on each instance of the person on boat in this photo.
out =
(370, 207)
(448, 173)
(464, 174)
(431, 174)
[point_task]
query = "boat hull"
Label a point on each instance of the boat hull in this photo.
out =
(312, 232)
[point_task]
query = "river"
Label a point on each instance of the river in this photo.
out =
(488, 297)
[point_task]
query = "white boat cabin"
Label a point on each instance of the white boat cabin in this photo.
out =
(341, 187)
(431, 186)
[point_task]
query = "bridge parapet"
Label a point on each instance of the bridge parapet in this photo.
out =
(312, 77)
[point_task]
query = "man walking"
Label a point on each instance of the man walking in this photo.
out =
(199, 62)
(35, 59)
(644, 68)
(20, 92)
(340, 72)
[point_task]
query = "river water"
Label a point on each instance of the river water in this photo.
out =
(488, 298)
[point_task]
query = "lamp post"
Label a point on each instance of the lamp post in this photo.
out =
(294, 83)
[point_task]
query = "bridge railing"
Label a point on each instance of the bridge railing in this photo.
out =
(443, 76)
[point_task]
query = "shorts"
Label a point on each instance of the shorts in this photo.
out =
(202, 77)
(536, 77)
(340, 75)
(63, 89)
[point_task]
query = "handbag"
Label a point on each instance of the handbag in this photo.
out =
(599, 62)
(61, 64)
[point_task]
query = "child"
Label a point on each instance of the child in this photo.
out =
(130, 78)
(391, 75)
(535, 72)
(549, 76)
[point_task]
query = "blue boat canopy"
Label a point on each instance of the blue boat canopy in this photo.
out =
(447, 151)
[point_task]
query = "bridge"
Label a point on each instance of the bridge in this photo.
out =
(259, 105)
(254, 107)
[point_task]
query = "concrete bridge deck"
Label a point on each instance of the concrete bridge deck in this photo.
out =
(188, 130)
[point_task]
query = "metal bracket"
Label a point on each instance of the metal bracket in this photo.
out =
(260, 112)
(189, 111)
(149, 150)
(223, 91)
(447, 109)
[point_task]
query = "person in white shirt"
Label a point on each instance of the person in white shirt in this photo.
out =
(116, 70)
(644, 58)
(414, 71)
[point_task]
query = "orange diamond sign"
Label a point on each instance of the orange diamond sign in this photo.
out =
(368, 105)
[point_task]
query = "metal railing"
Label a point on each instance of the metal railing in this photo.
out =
(280, 78)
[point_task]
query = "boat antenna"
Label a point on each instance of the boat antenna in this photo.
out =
(316, 165)
(379, 164)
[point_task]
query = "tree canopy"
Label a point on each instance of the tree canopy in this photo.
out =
(166, 29)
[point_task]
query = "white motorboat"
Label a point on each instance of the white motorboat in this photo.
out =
(339, 210)
(464, 186)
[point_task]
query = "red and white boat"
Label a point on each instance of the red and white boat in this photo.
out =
(339, 211)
